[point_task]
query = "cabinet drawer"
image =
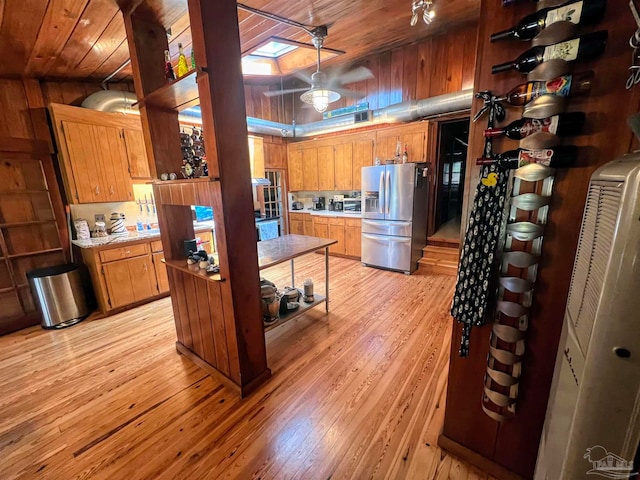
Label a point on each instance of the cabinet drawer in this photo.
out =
(336, 221)
(156, 246)
(352, 222)
(120, 253)
(298, 216)
(321, 220)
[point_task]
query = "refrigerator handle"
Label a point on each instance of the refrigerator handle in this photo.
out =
(381, 195)
(387, 194)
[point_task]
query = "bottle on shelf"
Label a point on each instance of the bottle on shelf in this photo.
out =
(581, 12)
(563, 124)
(405, 154)
(183, 68)
(556, 157)
(169, 74)
(580, 48)
(193, 59)
(563, 86)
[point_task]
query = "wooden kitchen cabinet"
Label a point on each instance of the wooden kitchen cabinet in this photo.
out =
(136, 154)
(413, 135)
(130, 281)
(99, 154)
(362, 157)
(310, 169)
(161, 272)
(321, 227)
(336, 232)
(308, 225)
(296, 175)
(344, 166)
(352, 237)
(256, 156)
(326, 168)
(296, 223)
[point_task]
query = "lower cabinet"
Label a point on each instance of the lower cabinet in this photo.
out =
(347, 231)
(161, 272)
(352, 237)
(296, 223)
(130, 281)
(336, 232)
(308, 225)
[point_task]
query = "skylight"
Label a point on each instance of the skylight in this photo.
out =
(273, 49)
(256, 66)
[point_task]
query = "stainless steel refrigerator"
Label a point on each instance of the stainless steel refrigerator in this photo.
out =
(394, 215)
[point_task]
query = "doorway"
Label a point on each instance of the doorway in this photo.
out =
(453, 138)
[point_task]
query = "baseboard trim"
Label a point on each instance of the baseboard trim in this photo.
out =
(477, 460)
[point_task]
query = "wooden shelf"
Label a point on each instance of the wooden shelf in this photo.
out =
(193, 270)
(37, 252)
(7, 289)
(24, 224)
(183, 181)
(178, 95)
(304, 306)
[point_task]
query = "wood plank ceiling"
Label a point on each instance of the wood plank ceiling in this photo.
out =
(85, 39)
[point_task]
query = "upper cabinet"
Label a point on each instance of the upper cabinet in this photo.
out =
(100, 154)
(256, 156)
(411, 135)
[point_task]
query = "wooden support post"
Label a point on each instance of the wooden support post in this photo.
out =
(216, 42)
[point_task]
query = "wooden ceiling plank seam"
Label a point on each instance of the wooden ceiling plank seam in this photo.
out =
(112, 38)
(57, 26)
(112, 62)
(20, 25)
(94, 21)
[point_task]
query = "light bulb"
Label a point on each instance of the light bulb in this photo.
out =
(320, 100)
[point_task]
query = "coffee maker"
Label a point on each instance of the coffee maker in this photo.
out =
(318, 203)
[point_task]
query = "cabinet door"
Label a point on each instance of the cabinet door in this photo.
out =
(326, 168)
(320, 230)
(256, 156)
(310, 168)
(144, 278)
(161, 272)
(336, 232)
(386, 145)
(86, 171)
(136, 154)
(113, 162)
(119, 283)
(416, 145)
(344, 166)
(297, 227)
(296, 178)
(362, 157)
(308, 227)
(352, 241)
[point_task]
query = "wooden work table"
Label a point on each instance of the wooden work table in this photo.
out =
(289, 247)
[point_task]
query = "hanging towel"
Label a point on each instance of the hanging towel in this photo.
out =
(268, 229)
(476, 286)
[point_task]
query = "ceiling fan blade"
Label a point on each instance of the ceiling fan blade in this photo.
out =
(349, 93)
(358, 74)
(275, 93)
(302, 75)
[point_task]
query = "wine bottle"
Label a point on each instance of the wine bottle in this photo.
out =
(563, 86)
(183, 68)
(193, 59)
(556, 157)
(578, 12)
(580, 48)
(563, 125)
(169, 74)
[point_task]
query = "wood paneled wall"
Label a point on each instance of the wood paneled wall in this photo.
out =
(514, 444)
(435, 66)
(23, 130)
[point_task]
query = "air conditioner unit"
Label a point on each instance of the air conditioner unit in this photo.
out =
(592, 426)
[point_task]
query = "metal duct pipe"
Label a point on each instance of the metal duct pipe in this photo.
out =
(117, 101)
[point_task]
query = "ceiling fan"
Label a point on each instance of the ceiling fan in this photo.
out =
(324, 89)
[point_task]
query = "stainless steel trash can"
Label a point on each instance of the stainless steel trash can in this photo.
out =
(60, 294)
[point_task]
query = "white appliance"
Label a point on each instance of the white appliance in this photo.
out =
(592, 426)
(394, 215)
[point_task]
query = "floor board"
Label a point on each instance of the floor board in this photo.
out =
(358, 393)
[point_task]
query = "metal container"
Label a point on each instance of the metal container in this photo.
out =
(60, 295)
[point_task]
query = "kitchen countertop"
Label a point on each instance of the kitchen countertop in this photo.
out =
(132, 237)
(278, 250)
(328, 213)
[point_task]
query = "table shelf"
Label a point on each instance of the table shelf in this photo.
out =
(304, 306)
(193, 270)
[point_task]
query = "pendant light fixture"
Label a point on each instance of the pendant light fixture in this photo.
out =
(424, 7)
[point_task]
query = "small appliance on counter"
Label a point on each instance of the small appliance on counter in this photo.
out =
(338, 203)
(318, 203)
(297, 206)
(352, 205)
(331, 207)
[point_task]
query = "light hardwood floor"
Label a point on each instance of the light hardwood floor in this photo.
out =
(358, 393)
